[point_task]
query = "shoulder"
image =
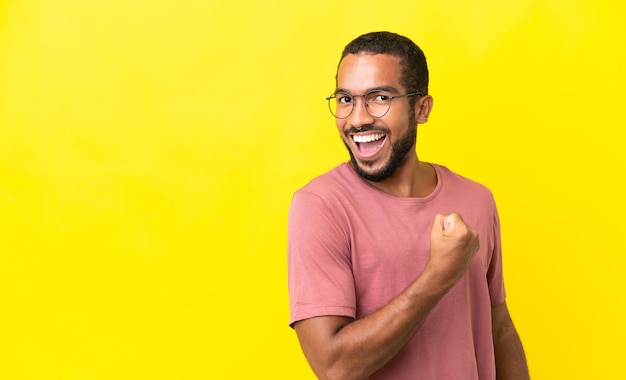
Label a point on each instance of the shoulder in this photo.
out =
(336, 183)
(450, 177)
(329, 199)
(457, 185)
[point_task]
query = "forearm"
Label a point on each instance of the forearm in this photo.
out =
(510, 357)
(361, 347)
(341, 348)
(509, 352)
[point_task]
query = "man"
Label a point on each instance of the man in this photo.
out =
(395, 264)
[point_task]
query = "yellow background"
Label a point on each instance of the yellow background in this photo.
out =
(149, 151)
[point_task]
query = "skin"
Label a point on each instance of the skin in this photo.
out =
(342, 348)
(358, 74)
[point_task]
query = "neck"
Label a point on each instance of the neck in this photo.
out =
(414, 179)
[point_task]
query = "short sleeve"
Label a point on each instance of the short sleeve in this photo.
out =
(320, 278)
(495, 278)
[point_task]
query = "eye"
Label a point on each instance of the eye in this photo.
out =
(378, 97)
(343, 98)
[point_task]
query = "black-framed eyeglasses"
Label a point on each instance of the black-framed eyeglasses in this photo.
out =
(377, 103)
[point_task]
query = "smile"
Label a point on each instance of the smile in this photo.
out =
(359, 139)
(368, 145)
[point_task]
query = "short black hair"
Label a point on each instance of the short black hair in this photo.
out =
(412, 59)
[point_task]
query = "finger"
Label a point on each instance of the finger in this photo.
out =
(448, 223)
(438, 224)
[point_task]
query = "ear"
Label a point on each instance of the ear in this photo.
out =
(422, 109)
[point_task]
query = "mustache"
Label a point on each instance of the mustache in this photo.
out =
(365, 128)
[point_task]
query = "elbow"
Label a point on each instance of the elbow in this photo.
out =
(333, 374)
(338, 371)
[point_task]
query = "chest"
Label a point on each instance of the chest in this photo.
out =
(390, 248)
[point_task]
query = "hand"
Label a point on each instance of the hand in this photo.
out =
(453, 245)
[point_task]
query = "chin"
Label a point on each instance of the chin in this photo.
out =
(372, 174)
(372, 170)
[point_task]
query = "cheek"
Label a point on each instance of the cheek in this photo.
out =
(397, 125)
(341, 124)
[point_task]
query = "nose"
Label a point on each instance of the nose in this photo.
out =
(359, 116)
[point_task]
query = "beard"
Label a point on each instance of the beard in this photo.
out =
(399, 151)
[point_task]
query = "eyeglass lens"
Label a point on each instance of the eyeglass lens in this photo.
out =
(376, 104)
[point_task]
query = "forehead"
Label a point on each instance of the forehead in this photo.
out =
(359, 73)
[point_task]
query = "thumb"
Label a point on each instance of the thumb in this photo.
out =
(448, 223)
(438, 224)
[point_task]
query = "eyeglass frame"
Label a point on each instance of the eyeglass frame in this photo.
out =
(365, 105)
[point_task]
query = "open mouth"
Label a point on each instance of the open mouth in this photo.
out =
(369, 144)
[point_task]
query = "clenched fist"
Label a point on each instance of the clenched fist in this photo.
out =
(453, 244)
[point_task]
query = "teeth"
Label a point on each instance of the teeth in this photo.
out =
(367, 138)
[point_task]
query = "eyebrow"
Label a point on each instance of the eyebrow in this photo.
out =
(381, 88)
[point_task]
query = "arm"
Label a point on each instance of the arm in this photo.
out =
(342, 348)
(510, 358)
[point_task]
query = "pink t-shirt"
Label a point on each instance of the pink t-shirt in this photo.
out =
(352, 248)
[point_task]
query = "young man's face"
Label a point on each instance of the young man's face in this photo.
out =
(377, 145)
